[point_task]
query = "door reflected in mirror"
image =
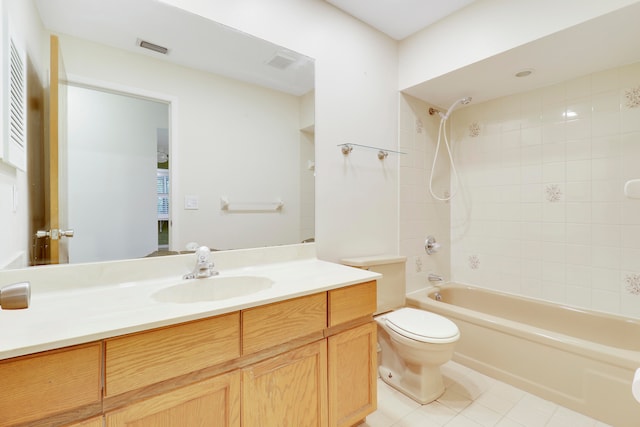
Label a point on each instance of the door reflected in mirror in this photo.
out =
(114, 187)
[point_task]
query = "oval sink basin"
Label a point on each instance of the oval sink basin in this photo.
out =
(212, 289)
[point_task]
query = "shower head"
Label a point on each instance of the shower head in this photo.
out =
(463, 101)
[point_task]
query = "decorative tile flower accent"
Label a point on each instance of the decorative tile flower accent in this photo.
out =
(553, 193)
(474, 262)
(633, 283)
(474, 129)
(418, 264)
(419, 125)
(633, 97)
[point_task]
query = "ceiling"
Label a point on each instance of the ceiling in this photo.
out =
(399, 18)
(192, 40)
(609, 41)
(606, 42)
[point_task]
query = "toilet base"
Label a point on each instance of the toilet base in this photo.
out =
(423, 390)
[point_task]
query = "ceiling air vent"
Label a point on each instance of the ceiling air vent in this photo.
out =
(281, 61)
(154, 47)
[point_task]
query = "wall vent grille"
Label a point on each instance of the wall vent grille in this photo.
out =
(14, 98)
(18, 97)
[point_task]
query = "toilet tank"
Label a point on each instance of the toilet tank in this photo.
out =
(391, 286)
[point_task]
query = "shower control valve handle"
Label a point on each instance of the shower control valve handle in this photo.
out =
(431, 246)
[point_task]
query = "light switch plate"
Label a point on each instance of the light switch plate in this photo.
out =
(191, 202)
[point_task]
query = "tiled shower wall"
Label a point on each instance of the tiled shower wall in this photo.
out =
(541, 209)
(420, 214)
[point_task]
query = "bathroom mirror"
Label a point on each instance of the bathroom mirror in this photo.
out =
(229, 187)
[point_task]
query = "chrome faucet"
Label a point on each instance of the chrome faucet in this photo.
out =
(204, 265)
(435, 278)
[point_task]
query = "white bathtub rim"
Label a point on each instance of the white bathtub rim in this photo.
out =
(627, 359)
(525, 297)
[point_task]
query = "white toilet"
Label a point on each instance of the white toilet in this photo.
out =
(413, 343)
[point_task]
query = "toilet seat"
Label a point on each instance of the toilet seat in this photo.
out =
(422, 326)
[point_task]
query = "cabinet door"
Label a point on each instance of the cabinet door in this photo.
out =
(352, 375)
(289, 390)
(55, 386)
(212, 402)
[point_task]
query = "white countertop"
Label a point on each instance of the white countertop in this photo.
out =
(61, 316)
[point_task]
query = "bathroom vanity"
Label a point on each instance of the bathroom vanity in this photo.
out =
(301, 352)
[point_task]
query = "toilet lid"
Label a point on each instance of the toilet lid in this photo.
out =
(422, 325)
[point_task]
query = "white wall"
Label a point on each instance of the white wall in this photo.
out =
(356, 101)
(14, 245)
(486, 28)
(231, 139)
(13, 225)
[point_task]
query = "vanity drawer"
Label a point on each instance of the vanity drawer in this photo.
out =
(278, 323)
(142, 359)
(352, 302)
(41, 385)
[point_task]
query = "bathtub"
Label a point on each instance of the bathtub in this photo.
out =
(581, 359)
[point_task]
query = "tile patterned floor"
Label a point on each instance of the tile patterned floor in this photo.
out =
(473, 400)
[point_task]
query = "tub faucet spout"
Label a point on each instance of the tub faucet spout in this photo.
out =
(204, 265)
(435, 278)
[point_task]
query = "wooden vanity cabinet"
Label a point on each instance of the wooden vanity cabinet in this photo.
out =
(290, 387)
(352, 354)
(211, 402)
(146, 358)
(279, 323)
(352, 375)
(287, 390)
(352, 303)
(171, 376)
(330, 382)
(52, 387)
(307, 361)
